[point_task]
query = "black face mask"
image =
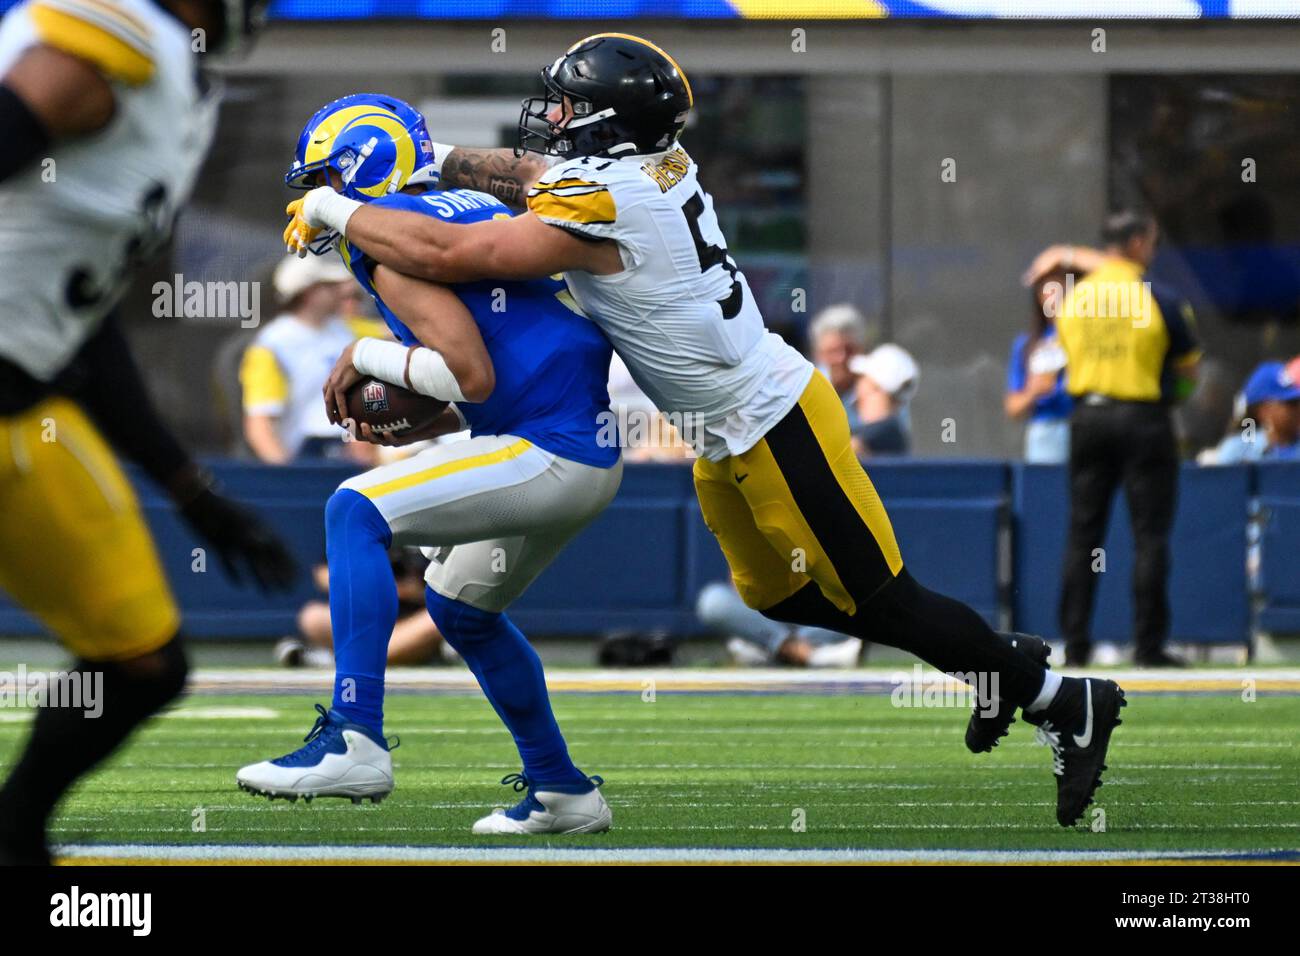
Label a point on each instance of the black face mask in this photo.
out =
(536, 132)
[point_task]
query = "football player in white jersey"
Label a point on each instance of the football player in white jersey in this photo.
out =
(105, 121)
(623, 215)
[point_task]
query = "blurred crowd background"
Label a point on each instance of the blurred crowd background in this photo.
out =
(913, 189)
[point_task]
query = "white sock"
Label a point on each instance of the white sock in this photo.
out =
(1051, 684)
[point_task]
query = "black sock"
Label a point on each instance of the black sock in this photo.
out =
(944, 633)
(66, 742)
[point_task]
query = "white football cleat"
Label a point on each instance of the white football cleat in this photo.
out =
(340, 759)
(546, 811)
(840, 654)
(745, 654)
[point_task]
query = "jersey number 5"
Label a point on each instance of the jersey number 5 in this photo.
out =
(711, 255)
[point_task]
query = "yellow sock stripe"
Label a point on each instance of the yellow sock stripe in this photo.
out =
(117, 58)
(447, 468)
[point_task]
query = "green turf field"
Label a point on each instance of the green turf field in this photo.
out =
(1188, 772)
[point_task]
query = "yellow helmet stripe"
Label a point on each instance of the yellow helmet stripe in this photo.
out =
(690, 97)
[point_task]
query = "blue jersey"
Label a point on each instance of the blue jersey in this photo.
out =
(1056, 404)
(551, 363)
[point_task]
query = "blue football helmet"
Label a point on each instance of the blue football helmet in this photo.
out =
(376, 144)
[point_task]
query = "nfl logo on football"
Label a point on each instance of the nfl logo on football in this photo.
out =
(375, 397)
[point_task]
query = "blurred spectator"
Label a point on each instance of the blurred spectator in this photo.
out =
(1268, 426)
(1036, 377)
(415, 639)
(887, 378)
(282, 372)
(756, 640)
(1131, 349)
(836, 334)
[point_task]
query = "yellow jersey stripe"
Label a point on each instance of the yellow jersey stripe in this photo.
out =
(448, 468)
(98, 44)
(581, 208)
(566, 184)
(127, 22)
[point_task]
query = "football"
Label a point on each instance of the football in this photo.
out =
(391, 409)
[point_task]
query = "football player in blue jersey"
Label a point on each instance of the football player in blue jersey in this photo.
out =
(527, 373)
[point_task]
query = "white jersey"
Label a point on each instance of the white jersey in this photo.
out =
(74, 226)
(283, 371)
(680, 313)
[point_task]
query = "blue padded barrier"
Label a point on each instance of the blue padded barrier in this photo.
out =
(1208, 554)
(641, 563)
(1278, 490)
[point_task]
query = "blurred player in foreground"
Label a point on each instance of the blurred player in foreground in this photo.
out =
(528, 374)
(84, 200)
(623, 216)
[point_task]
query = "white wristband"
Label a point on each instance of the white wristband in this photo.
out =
(417, 368)
(326, 209)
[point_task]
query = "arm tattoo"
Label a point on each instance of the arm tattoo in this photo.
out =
(498, 172)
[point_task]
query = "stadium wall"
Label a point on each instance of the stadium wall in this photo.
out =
(987, 532)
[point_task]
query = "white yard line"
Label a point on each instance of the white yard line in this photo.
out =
(381, 854)
(862, 679)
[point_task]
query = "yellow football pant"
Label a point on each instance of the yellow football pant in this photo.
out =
(74, 547)
(797, 507)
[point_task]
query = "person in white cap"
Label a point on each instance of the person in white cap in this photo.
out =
(887, 379)
(283, 371)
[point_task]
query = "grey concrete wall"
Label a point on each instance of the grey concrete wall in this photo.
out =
(1029, 158)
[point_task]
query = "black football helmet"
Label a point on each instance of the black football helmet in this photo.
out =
(629, 97)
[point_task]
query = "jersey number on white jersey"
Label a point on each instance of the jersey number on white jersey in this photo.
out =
(712, 254)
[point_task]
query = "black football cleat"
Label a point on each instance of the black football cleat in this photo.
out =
(24, 853)
(989, 724)
(1077, 726)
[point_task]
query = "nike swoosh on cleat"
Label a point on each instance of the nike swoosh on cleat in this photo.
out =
(1084, 740)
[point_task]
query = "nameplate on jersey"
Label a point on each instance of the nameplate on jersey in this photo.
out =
(668, 170)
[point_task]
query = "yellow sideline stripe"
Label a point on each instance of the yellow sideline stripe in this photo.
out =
(447, 468)
(819, 9)
(344, 861)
